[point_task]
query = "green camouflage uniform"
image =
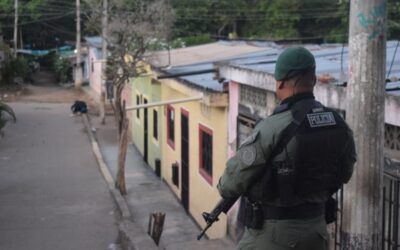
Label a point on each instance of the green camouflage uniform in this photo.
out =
(245, 168)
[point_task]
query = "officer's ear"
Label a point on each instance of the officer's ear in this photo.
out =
(280, 84)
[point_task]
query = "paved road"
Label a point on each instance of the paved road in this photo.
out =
(52, 195)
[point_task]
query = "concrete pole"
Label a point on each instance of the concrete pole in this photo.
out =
(15, 27)
(362, 220)
(78, 69)
(104, 24)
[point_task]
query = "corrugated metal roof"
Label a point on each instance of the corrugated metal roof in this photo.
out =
(94, 41)
(204, 53)
(393, 88)
(203, 81)
(330, 59)
(203, 57)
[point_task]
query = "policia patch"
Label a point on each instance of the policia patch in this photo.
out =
(248, 155)
(321, 119)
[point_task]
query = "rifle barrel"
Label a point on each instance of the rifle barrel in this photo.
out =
(204, 231)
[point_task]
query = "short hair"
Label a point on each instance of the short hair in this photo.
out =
(306, 79)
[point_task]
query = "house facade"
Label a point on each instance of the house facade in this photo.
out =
(252, 97)
(194, 152)
(191, 137)
(94, 62)
(146, 124)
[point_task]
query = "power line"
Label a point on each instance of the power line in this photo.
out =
(41, 20)
(58, 29)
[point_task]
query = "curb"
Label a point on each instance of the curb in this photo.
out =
(130, 236)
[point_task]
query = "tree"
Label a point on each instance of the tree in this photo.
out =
(43, 23)
(219, 18)
(133, 27)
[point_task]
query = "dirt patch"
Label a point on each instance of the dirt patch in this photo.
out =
(45, 89)
(48, 94)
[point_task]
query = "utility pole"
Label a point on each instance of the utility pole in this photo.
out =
(104, 24)
(15, 27)
(362, 212)
(78, 69)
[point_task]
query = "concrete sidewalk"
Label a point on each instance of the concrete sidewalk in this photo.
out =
(148, 194)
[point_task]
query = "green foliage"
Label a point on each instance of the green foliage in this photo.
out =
(394, 20)
(15, 67)
(43, 23)
(62, 68)
(196, 40)
(59, 65)
(323, 20)
(6, 115)
(208, 17)
(177, 43)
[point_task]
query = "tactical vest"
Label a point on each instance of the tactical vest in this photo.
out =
(315, 167)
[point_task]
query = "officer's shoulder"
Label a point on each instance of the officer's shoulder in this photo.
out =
(276, 120)
(273, 125)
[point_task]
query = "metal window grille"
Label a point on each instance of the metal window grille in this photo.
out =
(137, 103)
(390, 214)
(392, 137)
(171, 124)
(390, 217)
(254, 96)
(155, 124)
(207, 152)
(175, 174)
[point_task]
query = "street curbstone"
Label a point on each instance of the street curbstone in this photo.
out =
(130, 237)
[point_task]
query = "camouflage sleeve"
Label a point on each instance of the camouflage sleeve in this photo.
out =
(248, 163)
(349, 158)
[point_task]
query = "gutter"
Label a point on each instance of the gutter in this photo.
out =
(163, 103)
(187, 74)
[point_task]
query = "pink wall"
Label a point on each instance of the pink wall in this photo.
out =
(233, 114)
(94, 72)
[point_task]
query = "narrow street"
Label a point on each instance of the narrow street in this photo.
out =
(52, 194)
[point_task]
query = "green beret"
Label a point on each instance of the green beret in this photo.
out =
(292, 62)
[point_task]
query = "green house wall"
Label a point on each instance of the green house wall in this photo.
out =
(147, 88)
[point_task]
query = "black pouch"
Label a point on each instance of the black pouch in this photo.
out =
(254, 217)
(331, 209)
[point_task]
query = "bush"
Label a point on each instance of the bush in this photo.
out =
(61, 67)
(6, 115)
(15, 67)
(197, 40)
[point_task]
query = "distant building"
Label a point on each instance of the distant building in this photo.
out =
(94, 62)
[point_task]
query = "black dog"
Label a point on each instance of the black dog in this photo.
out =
(79, 107)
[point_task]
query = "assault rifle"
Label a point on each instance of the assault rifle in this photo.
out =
(222, 206)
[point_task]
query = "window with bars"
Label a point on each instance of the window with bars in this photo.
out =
(206, 153)
(137, 104)
(171, 126)
(254, 96)
(392, 137)
(155, 124)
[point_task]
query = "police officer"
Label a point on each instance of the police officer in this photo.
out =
(291, 164)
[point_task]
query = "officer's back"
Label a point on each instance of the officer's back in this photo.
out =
(291, 164)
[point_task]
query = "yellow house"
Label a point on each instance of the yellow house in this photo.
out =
(192, 136)
(195, 152)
